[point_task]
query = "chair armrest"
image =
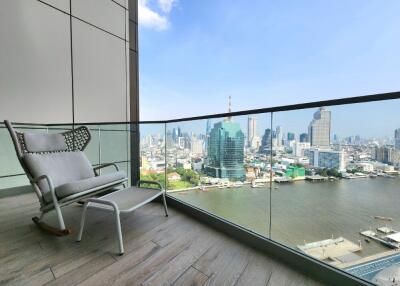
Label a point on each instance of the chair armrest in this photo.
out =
(150, 183)
(49, 183)
(95, 169)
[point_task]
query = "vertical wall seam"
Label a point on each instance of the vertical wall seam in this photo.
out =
(72, 73)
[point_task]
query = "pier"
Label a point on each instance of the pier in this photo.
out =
(283, 180)
(372, 235)
(334, 249)
(316, 178)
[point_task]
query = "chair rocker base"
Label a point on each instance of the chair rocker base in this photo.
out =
(51, 230)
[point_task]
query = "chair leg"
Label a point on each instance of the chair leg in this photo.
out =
(49, 229)
(119, 233)
(59, 217)
(165, 204)
(79, 238)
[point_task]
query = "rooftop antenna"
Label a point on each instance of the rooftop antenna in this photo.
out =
(229, 108)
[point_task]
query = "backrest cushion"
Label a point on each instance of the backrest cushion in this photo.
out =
(62, 167)
(42, 142)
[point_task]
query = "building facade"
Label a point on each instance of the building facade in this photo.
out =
(266, 142)
(251, 129)
(397, 138)
(325, 158)
(304, 137)
(226, 151)
(319, 129)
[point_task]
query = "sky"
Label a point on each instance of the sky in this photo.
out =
(264, 53)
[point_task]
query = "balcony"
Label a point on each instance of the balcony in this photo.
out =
(158, 251)
(268, 211)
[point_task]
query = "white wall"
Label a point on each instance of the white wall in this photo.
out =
(38, 81)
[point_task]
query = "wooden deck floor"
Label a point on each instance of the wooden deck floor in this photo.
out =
(158, 251)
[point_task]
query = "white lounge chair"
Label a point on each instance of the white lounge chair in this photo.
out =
(59, 171)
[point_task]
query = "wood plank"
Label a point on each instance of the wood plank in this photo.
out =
(84, 271)
(224, 262)
(154, 263)
(284, 276)
(171, 271)
(257, 272)
(110, 274)
(192, 277)
(39, 278)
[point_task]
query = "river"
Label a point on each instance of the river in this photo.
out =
(308, 211)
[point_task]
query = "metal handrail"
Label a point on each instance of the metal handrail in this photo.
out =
(314, 104)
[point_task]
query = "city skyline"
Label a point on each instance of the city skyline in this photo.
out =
(344, 123)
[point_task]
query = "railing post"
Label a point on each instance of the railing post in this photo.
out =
(135, 153)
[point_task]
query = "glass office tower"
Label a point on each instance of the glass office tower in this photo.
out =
(226, 151)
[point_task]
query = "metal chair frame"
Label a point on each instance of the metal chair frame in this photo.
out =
(76, 140)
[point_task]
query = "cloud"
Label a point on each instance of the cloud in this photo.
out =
(150, 18)
(166, 5)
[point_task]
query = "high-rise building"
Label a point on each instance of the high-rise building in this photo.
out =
(196, 146)
(208, 126)
(226, 150)
(397, 138)
(175, 135)
(208, 130)
(335, 139)
(319, 129)
(387, 155)
(251, 130)
(266, 141)
(304, 137)
(290, 136)
(300, 148)
(326, 158)
(279, 134)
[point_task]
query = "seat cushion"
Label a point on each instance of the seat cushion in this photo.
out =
(62, 167)
(72, 188)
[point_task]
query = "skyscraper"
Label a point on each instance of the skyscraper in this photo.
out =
(226, 150)
(319, 130)
(208, 130)
(266, 141)
(397, 138)
(251, 129)
(290, 136)
(278, 133)
(304, 137)
(208, 127)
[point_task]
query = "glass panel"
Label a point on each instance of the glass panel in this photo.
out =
(222, 166)
(336, 190)
(152, 152)
(114, 143)
(12, 182)
(9, 164)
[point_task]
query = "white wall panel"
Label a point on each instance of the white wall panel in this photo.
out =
(35, 72)
(99, 75)
(60, 4)
(122, 3)
(102, 13)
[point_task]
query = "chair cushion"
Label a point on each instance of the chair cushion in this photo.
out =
(72, 188)
(39, 142)
(62, 167)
